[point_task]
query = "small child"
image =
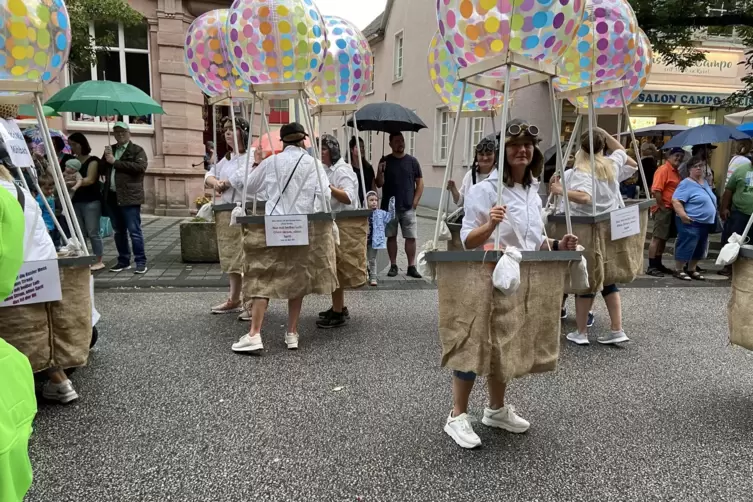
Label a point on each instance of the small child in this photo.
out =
(73, 179)
(47, 186)
(377, 222)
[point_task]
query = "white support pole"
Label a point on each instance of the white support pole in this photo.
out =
(468, 147)
(309, 122)
(560, 159)
(235, 131)
(646, 188)
(501, 161)
(591, 148)
(268, 134)
(443, 193)
(360, 161)
(49, 209)
(248, 159)
(214, 141)
(573, 136)
(746, 231)
(57, 176)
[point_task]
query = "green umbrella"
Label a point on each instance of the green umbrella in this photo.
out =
(29, 111)
(102, 98)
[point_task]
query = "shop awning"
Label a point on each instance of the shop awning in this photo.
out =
(739, 117)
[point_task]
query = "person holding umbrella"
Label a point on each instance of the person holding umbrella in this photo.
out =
(124, 165)
(399, 175)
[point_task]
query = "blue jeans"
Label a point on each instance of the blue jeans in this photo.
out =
(88, 215)
(127, 220)
(691, 241)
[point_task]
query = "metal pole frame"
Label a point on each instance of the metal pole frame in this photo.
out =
(317, 154)
(502, 153)
(248, 158)
(560, 159)
(635, 146)
(360, 160)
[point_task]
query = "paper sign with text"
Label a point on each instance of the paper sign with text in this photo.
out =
(38, 282)
(289, 230)
(625, 222)
(15, 143)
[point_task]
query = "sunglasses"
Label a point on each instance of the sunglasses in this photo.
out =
(518, 129)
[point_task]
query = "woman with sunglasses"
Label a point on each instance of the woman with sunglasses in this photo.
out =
(600, 189)
(519, 223)
(694, 203)
(484, 162)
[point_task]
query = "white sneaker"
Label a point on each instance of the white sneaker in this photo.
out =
(459, 428)
(291, 339)
(62, 392)
(244, 316)
(613, 337)
(578, 338)
(505, 418)
(248, 343)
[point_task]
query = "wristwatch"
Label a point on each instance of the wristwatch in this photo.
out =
(556, 245)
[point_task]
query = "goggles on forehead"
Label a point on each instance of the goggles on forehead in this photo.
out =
(518, 129)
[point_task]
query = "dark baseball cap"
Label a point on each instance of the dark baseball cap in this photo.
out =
(292, 133)
(675, 150)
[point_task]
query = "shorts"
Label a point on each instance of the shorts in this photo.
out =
(691, 241)
(664, 224)
(408, 225)
(608, 290)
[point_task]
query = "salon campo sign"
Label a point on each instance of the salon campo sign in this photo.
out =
(716, 64)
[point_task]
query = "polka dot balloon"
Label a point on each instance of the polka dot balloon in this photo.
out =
(477, 30)
(348, 65)
(604, 48)
(276, 41)
(635, 79)
(207, 56)
(443, 72)
(35, 39)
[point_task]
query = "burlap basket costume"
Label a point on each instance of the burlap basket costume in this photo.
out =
(229, 243)
(352, 265)
(609, 262)
(54, 334)
(498, 336)
(288, 272)
(740, 307)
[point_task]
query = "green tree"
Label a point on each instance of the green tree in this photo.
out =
(674, 26)
(108, 13)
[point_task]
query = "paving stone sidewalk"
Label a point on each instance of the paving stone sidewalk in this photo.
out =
(166, 270)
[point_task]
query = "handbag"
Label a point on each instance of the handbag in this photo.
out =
(105, 227)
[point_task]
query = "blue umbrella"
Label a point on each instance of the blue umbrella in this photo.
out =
(747, 128)
(705, 134)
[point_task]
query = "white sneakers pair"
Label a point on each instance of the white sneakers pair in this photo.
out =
(613, 337)
(460, 430)
(253, 343)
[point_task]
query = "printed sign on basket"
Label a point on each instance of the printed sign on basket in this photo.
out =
(37, 282)
(15, 143)
(625, 222)
(287, 230)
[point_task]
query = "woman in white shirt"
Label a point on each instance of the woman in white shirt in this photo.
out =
(218, 178)
(344, 187)
(584, 191)
(519, 221)
(483, 163)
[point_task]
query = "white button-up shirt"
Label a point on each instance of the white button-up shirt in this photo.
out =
(342, 176)
(303, 194)
(521, 228)
(467, 183)
(224, 171)
(606, 194)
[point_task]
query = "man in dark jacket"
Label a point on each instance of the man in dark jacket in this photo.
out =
(124, 165)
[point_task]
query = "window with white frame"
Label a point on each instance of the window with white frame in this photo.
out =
(478, 127)
(410, 142)
(441, 136)
(127, 62)
(397, 74)
(373, 74)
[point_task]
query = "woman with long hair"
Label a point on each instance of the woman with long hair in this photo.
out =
(87, 200)
(484, 161)
(599, 189)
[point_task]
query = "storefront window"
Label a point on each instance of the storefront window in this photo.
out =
(126, 61)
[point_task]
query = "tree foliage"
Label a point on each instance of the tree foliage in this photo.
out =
(107, 13)
(675, 28)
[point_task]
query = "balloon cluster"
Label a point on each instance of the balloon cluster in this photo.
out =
(278, 42)
(591, 42)
(35, 40)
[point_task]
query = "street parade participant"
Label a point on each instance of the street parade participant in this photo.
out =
(483, 163)
(520, 225)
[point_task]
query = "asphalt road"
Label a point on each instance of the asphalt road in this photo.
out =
(169, 413)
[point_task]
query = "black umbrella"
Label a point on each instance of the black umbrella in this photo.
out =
(387, 117)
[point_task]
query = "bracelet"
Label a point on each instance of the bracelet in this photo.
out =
(556, 245)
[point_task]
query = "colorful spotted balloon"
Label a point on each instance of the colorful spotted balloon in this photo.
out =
(348, 66)
(477, 30)
(443, 72)
(635, 79)
(207, 56)
(35, 39)
(276, 41)
(604, 49)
